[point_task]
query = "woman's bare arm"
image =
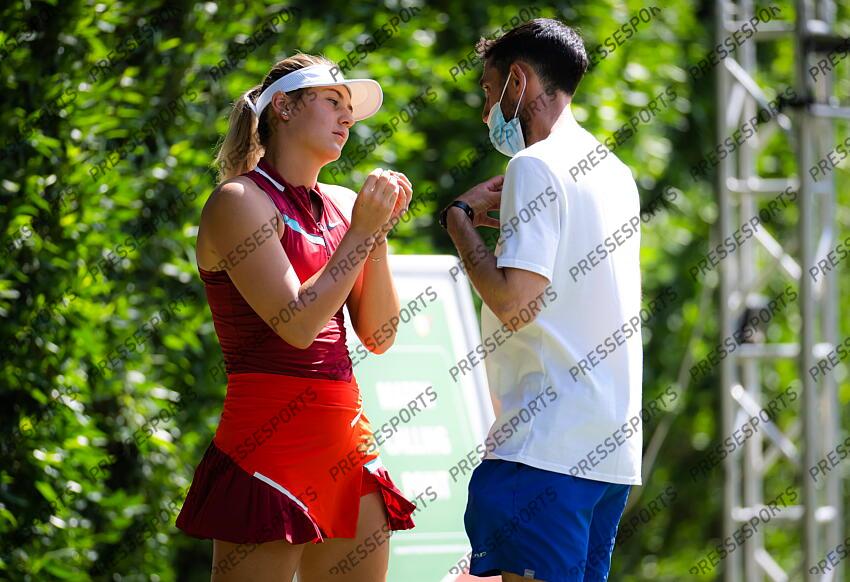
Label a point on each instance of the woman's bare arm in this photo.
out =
(241, 222)
(373, 301)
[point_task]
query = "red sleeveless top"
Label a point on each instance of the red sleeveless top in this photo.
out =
(248, 343)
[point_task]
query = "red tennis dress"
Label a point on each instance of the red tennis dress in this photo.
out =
(293, 451)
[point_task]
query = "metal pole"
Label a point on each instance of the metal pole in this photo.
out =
(732, 567)
(807, 301)
(829, 312)
(753, 462)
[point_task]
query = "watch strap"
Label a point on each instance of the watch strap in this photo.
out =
(460, 204)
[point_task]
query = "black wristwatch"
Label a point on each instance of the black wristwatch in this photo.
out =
(460, 204)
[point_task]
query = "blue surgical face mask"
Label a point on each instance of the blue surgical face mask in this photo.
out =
(506, 136)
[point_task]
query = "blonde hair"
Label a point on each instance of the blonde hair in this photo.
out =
(240, 150)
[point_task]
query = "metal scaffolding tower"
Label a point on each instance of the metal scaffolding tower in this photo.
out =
(809, 124)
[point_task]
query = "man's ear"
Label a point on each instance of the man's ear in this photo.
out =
(520, 76)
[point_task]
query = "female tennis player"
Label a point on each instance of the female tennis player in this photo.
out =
(293, 460)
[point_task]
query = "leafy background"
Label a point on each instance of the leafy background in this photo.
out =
(74, 484)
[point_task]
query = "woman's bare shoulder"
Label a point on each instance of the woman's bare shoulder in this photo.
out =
(232, 208)
(236, 197)
(233, 191)
(238, 205)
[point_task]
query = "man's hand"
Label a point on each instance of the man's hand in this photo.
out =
(484, 197)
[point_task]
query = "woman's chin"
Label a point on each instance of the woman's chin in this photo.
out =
(333, 153)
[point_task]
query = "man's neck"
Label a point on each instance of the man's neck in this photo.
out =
(557, 118)
(566, 121)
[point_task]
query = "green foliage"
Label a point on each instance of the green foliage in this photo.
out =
(105, 171)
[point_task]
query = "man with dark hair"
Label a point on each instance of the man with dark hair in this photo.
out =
(561, 295)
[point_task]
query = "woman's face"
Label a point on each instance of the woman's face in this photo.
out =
(319, 121)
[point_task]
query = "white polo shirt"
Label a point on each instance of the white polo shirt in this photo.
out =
(566, 388)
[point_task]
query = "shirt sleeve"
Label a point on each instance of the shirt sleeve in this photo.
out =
(530, 217)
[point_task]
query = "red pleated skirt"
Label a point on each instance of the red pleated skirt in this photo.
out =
(290, 460)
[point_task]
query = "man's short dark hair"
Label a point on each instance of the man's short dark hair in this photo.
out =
(553, 49)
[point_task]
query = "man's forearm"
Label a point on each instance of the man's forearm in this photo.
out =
(478, 260)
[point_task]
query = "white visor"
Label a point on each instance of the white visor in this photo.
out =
(366, 94)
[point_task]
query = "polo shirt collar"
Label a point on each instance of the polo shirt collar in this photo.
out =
(278, 181)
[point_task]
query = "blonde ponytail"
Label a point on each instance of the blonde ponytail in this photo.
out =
(247, 136)
(240, 150)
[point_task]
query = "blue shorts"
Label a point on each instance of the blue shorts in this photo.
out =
(541, 524)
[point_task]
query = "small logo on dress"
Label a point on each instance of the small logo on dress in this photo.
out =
(332, 225)
(528, 573)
